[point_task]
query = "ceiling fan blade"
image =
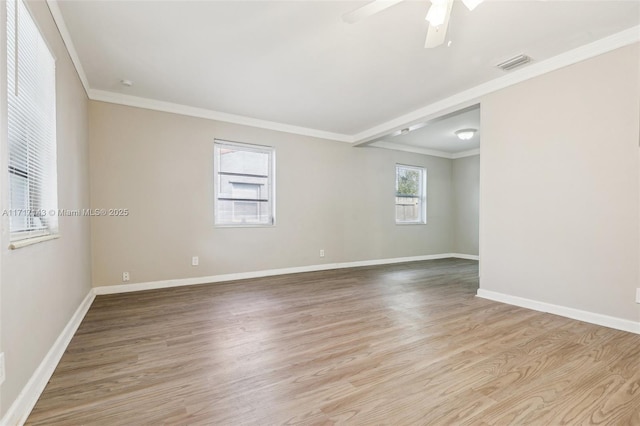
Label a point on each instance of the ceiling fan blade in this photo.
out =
(368, 10)
(437, 34)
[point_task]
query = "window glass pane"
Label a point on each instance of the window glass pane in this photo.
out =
(244, 184)
(19, 201)
(247, 190)
(410, 197)
(244, 162)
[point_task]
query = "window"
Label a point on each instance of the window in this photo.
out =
(411, 194)
(31, 128)
(244, 189)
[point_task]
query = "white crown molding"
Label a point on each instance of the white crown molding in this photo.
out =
(473, 95)
(434, 110)
(148, 103)
(27, 398)
(463, 154)
(411, 148)
(139, 102)
(564, 311)
(424, 151)
(66, 39)
(153, 285)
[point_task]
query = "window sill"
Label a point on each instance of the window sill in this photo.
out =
(410, 223)
(30, 241)
(245, 226)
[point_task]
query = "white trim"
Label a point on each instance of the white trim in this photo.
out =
(68, 42)
(473, 95)
(465, 256)
(411, 148)
(32, 240)
(431, 111)
(156, 105)
(153, 285)
(464, 154)
(425, 151)
(26, 400)
(564, 311)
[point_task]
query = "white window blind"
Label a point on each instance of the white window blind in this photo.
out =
(244, 186)
(31, 127)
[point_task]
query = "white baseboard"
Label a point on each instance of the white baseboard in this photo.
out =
(465, 256)
(153, 285)
(26, 400)
(563, 311)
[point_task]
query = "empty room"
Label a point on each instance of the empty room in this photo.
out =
(376, 212)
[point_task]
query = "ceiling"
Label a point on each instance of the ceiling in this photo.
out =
(438, 136)
(296, 63)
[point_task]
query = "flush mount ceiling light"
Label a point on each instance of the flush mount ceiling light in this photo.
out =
(465, 134)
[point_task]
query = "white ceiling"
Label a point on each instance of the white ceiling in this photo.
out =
(438, 135)
(297, 63)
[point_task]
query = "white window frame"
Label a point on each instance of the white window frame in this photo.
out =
(39, 166)
(422, 197)
(271, 179)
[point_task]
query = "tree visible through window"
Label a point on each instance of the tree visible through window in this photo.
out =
(244, 184)
(411, 194)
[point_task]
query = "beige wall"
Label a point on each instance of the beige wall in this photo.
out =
(330, 196)
(559, 187)
(560, 196)
(42, 285)
(465, 198)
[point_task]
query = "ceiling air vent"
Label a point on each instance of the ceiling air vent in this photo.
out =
(514, 62)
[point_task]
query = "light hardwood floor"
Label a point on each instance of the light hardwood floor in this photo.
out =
(400, 345)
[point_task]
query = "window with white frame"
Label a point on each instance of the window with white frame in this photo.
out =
(244, 184)
(411, 194)
(31, 127)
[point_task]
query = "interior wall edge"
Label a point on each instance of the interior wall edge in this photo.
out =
(26, 400)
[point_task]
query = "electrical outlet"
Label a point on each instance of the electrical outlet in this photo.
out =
(321, 252)
(125, 276)
(1, 368)
(637, 295)
(195, 261)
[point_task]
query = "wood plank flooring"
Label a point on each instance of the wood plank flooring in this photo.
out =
(404, 344)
